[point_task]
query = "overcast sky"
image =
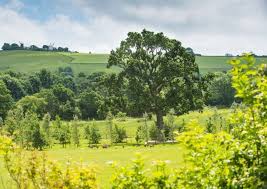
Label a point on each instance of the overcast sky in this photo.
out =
(211, 27)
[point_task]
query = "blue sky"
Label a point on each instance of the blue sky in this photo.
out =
(211, 27)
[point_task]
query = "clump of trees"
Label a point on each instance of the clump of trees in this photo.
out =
(15, 46)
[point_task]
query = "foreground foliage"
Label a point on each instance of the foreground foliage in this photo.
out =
(34, 170)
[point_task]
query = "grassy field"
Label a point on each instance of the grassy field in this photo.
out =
(100, 158)
(122, 155)
(31, 61)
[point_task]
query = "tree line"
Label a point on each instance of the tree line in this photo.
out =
(15, 46)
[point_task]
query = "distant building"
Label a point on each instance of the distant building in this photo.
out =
(50, 48)
(228, 54)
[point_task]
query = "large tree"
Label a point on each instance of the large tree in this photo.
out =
(161, 74)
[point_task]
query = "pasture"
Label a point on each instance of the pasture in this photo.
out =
(32, 61)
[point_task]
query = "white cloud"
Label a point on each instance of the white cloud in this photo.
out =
(15, 28)
(209, 26)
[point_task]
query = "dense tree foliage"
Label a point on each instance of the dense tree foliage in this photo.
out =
(220, 90)
(6, 100)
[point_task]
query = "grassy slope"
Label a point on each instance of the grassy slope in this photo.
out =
(30, 61)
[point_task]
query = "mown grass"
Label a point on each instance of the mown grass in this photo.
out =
(32, 61)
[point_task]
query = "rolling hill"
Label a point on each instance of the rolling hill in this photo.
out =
(32, 61)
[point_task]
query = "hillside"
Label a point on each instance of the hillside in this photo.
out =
(31, 61)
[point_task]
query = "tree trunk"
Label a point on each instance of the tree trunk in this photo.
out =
(159, 115)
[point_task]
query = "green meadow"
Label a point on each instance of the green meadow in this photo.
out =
(32, 61)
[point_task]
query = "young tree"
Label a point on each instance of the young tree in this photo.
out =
(146, 130)
(160, 72)
(118, 134)
(13, 124)
(64, 135)
(92, 134)
(31, 133)
(169, 129)
(109, 119)
(142, 132)
(61, 132)
(75, 132)
(5, 100)
(25, 129)
(46, 130)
